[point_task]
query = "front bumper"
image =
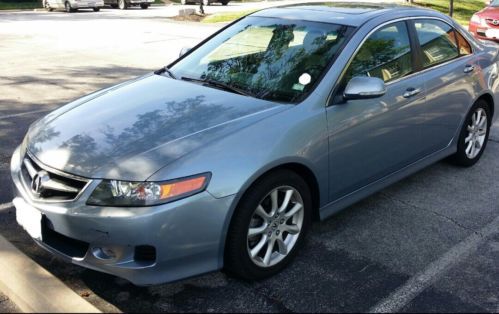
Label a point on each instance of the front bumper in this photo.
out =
(187, 235)
(141, 1)
(480, 32)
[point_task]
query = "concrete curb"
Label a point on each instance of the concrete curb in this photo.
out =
(34, 289)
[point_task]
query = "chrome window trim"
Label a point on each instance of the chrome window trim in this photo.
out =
(57, 172)
(409, 18)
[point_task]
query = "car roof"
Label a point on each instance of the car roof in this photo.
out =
(347, 13)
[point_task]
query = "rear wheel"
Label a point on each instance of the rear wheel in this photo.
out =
(225, 2)
(144, 6)
(122, 4)
(96, 9)
(474, 135)
(269, 226)
(114, 6)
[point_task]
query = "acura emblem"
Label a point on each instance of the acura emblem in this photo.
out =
(39, 179)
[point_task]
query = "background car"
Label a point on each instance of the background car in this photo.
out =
(205, 2)
(73, 5)
(125, 4)
(485, 23)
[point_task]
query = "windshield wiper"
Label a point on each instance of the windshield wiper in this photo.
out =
(167, 71)
(219, 85)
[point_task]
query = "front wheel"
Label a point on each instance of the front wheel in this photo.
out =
(96, 9)
(474, 135)
(47, 7)
(225, 2)
(122, 5)
(144, 6)
(268, 226)
(68, 8)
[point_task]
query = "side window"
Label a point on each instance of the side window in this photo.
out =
(437, 40)
(464, 45)
(386, 54)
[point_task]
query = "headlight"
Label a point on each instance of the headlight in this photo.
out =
(476, 19)
(124, 193)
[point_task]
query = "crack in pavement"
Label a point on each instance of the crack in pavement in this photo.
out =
(452, 220)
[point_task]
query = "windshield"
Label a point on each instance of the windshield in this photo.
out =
(267, 58)
(494, 3)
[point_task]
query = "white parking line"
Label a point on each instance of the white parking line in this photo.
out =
(24, 113)
(417, 284)
(5, 206)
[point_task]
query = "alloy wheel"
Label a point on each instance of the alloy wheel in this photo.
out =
(477, 132)
(275, 226)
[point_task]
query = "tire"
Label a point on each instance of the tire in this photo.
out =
(122, 5)
(68, 8)
(225, 2)
(144, 6)
(473, 134)
(96, 9)
(114, 6)
(238, 245)
(47, 7)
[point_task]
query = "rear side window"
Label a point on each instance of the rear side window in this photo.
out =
(464, 45)
(386, 54)
(438, 42)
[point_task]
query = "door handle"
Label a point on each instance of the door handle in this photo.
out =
(469, 68)
(412, 92)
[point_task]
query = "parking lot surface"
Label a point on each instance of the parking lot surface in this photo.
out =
(428, 243)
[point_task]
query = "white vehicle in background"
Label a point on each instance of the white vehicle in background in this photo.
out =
(125, 4)
(73, 5)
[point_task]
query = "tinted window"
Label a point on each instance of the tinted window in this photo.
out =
(268, 58)
(437, 40)
(464, 45)
(386, 54)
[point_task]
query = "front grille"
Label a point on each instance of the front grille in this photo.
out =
(145, 253)
(45, 184)
(492, 22)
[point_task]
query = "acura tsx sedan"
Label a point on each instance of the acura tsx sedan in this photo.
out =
(222, 159)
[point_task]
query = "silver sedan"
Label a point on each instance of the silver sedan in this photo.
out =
(223, 158)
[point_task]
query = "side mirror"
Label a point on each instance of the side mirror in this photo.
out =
(364, 87)
(183, 51)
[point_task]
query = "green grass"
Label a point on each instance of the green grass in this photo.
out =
(463, 9)
(226, 17)
(18, 5)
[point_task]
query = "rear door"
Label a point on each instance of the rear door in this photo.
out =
(449, 73)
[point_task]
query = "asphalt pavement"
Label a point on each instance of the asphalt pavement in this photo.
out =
(6, 305)
(428, 243)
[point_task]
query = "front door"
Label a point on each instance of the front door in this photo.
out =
(371, 138)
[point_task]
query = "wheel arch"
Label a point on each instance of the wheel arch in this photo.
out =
(490, 100)
(299, 168)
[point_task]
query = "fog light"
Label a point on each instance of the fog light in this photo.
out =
(103, 253)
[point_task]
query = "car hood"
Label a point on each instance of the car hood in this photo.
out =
(131, 131)
(490, 12)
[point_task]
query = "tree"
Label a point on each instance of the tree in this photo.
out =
(451, 8)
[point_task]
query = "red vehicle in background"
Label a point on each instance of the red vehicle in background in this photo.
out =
(485, 23)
